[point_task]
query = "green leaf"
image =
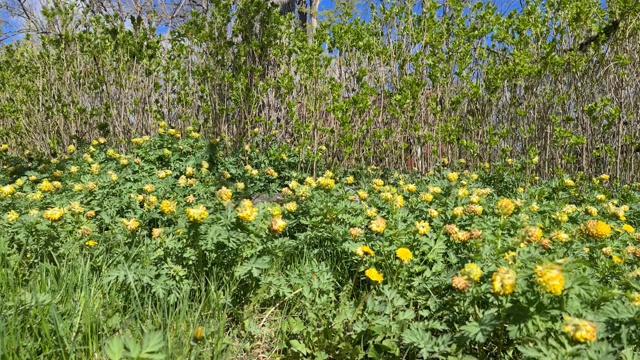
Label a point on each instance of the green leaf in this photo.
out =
(299, 347)
(114, 348)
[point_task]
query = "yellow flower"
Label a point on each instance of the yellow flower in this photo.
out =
(168, 207)
(377, 184)
(12, 216)
(458, 211)
(509, 256)
(560, 235)
(364, 250)
(156, 233)
(534, 207)
(460, 283)
(411, 188)
(240, 186)
(433, 213)
(326, 183)
(349, 180)
(452, 177)
(224, 194)
(628, 228)
(53, 214)
(91, 243)
(503, 281)
(374, 275)
(505, 207)
(291, 206)
(46, 186)
(601, 197)
(597, 229)
(131, 224)
(591, 210)
(95, 169)
(426, 197)
(149, 188)
(532, 234)
(197, 214)
(275, 210)
(398, 201)
(246, 211)
(550, 277)
(378, 225)
(4, 148)
(372, 212)
(604, 177)
(272, 173)
(355, 232)
(277, 225)
(423, 227)
(579, 330)
(76, 207)
(462, 192)
(472, 271)
(635, 299)
(617, 259)
(569, 183)
(404, 255)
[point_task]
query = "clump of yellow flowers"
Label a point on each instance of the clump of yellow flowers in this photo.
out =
(503, 281)
(404, 255)
(597, 229)
(197, 214)
(505, 207)
(246, 211)
(53, 214)
(579, 330)
(378, 225)
(550, 277)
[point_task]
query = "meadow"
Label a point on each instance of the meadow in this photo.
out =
(180, 248)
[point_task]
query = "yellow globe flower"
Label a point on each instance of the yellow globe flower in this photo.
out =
(426, 197)
(457, 211)
(505, 207)
(246, 211)
(550, 277)
(277, 225)
(597, 229)
(503, 281)
(224, 194)
(452, 177)
(131, 224)
(404, 255)
(12, 216)
(378, 225)
(423, 227)
(46, 186)
(628, 228)
(168, 207)
(291, 206)
(53, 214)
(472, 271)
(197, 214)
(364, 250)
(460, 283)
(579, 330)
(91, 243)
(374, 275)
(532, 234)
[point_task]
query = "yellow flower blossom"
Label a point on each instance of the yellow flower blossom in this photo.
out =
(224, 194)
(579, 330)
(197, 214)
(291, 206)
(423, 227)
(168, 207)
(550, 277)
(597, 229)
(374, 275)
(378, 225)
(53, 214)
(364, 250)
(472, 271)
(404, 255)
(91, 243)
(277, 225)
(505, 207)
(246, 211)
(131, 224)
(12, 216)
(503, 281)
